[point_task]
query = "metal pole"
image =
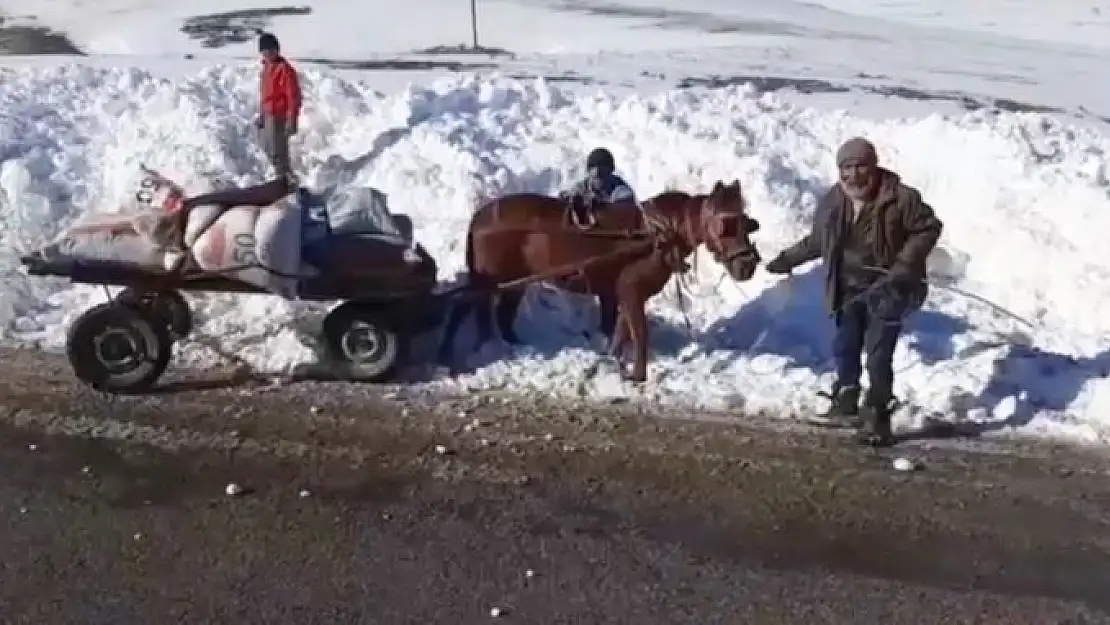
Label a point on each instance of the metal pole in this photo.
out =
(474, 22)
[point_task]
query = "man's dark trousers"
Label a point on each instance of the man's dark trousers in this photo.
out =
(858, 332)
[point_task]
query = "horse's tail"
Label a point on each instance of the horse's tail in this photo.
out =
(470, 248)
(485, 215)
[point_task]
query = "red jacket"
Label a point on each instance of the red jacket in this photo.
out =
(280, 90)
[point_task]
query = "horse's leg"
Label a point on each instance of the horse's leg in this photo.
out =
(635, 285)
(607, 307)
(636, 319)
(620, 336)
(483, 320)
(476, 300)
(508, 304)
(455, 316)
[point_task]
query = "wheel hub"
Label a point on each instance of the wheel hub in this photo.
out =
(118, 349)
(361, 343)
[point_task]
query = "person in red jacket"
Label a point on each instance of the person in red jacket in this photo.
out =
(279, 105)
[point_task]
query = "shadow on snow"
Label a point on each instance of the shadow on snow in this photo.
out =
(788, 320)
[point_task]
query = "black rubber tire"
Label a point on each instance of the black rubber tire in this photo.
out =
(389, 342)
(152, 338)
(168, 306)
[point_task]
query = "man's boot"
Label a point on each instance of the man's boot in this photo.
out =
(876, 414)
(844, 405)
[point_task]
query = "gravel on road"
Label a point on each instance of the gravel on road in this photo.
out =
(364, 505)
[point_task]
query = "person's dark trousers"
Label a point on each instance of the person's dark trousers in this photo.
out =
(859, 332)
(275, 143)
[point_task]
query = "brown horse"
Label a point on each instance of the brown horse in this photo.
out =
(623, 260)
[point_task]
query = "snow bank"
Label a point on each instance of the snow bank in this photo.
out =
(1023, 198)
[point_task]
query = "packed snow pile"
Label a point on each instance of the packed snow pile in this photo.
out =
(1023, 199)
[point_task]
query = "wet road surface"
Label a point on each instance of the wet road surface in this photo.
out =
(115, 512)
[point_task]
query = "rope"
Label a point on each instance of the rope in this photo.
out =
(660, 235)
(967, 294)
(564, 270)
(788, 300)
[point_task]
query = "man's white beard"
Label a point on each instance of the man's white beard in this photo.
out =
(854, 192)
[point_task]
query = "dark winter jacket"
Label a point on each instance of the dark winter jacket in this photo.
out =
(608, 189)
(901, 230)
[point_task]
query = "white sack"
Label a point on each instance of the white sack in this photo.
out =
(260, 246)
(138, 232)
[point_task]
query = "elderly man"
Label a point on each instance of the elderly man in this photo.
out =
(873, 234)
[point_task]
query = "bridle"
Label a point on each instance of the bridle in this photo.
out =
(714, 223)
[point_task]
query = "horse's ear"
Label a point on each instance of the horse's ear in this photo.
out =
(718, 187)
(735, 186)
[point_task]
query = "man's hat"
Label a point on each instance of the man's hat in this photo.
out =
(857, 150)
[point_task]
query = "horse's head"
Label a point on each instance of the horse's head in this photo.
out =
(727, 229)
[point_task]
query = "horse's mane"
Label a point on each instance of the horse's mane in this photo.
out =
(675, 194)
(667, 213)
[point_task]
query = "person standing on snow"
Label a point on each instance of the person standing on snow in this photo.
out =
(279, 106)
(873, 234)
(600, 186)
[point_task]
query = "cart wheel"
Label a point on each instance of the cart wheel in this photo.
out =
(116, 349)
(361, 343)
(166, 305)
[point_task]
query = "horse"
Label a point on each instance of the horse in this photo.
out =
(624, 260)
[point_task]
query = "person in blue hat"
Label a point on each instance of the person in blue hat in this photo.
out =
(600, 186)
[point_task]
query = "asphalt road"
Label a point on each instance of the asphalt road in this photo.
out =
(114, 512)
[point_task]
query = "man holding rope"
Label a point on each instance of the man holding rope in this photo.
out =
(873, 234)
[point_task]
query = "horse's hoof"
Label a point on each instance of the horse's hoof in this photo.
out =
(614, 348)
(633, 378)
(445, 356)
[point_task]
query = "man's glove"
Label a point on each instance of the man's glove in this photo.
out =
(899, 274)
(291, 127)
(780, 265)
(883, 300)
(889, 297)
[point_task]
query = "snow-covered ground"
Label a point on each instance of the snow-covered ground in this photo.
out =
(1023, 195)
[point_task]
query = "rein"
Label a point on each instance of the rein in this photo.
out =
(662, 234)
(789, 296)
(659, 236)
(572, 268)
(611, 233)
(666, 233)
